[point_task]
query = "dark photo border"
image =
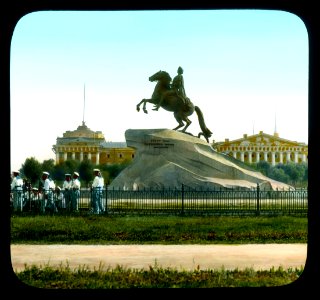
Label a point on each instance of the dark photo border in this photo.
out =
(13, 10)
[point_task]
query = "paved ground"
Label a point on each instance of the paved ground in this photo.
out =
(181, 257)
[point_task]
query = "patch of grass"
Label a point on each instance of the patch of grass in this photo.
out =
(121, 278)
(157, 230)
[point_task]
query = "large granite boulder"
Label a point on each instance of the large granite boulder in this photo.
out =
(167, 158)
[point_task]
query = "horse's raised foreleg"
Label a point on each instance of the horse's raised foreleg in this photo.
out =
(138, 105)
(145, 106)
(144, 101)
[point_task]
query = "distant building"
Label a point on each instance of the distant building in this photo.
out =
(264, 147)
(83, 143)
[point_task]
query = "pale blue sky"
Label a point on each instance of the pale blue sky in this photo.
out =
(246, 69)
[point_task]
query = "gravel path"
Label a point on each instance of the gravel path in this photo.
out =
(180, 257)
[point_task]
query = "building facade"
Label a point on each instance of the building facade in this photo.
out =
(264, 147)
(85, 144)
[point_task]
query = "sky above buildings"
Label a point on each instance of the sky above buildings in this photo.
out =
(247, 70)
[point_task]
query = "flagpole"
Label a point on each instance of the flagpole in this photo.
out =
(84, 102)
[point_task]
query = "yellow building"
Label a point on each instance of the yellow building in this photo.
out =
(264, 147)
(83, 143)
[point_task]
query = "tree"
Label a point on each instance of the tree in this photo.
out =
(71, 165)
(294, 172)
(305, 176)
(291, 173)
(48, 165)
(111, 171)
(86, 171)
(59, 172)
(264, 167)
(31, 169)
(279, 175)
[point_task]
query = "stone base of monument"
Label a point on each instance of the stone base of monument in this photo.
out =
(167, 158)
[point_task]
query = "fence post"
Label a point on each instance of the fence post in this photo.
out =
(258, 199)
(29, 197)
(182, 199)
(106, 207)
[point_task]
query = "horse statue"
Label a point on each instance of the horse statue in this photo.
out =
(166, 97)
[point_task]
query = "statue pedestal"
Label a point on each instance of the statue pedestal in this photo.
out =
(167, 158)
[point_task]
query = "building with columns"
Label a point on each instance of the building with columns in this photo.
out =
(83, 143)
(264, 147)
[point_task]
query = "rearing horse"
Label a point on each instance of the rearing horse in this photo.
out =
(170, 101)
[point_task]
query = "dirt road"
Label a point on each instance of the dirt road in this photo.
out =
(180, 257)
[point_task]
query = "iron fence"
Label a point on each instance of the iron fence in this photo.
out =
(184, 201)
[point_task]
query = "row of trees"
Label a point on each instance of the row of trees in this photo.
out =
(293, 174)
(32, 169)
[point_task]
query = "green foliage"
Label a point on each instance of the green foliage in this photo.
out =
(279, 174)
(113, 170)
(291, 173)
(85, 170)
(59, 173)
(70, 166)
(31, 170)
(264, 167)
(48, 165)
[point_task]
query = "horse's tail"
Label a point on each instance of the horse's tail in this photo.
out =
(205, 130)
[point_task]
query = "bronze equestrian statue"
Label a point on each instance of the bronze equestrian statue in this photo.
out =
(172, 97)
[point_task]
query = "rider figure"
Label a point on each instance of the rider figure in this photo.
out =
(178, 87)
